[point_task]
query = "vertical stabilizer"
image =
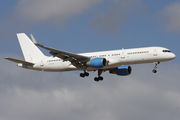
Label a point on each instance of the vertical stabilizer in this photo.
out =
(30, 51)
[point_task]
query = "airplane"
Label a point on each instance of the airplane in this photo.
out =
(115, 61)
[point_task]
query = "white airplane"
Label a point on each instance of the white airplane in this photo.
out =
(115, 61)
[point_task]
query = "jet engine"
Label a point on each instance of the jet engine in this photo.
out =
(121, 70)
(97, 62)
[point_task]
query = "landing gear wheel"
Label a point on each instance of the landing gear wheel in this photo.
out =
(82, 75)
(154, 71)
(96, 79)
(100, 78)
(86, 74)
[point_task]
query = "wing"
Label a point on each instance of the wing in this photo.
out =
(76, 60)
(19, 61)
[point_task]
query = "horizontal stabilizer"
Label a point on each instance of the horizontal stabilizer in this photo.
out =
(19, 61)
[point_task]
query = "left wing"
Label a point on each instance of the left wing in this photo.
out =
(77, 60)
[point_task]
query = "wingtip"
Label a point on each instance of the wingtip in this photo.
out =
(33, 39)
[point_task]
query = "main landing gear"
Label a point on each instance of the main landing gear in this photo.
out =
(155, 67)
(84, 74)
(99, 78)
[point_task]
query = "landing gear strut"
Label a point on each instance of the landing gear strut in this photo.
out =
(97, 79)
(85, 73)
(155, 67)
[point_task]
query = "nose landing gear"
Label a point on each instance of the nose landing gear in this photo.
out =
(155, 67)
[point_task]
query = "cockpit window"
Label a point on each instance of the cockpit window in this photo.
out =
(166, 51)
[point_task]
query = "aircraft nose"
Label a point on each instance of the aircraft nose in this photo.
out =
(173, 56)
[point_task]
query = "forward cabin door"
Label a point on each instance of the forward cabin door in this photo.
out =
(155, 52)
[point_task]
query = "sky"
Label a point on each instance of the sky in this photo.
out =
(81, 26)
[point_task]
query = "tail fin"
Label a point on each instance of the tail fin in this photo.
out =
(30, 51)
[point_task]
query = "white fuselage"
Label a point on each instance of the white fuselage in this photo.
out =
(114, 59)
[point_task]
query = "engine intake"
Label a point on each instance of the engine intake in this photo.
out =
(121, 70)
(97, 62)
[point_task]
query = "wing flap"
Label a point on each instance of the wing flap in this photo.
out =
(19, 61)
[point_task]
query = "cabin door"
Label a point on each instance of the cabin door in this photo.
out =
(42, 64)
(155, 53)
(123, 54)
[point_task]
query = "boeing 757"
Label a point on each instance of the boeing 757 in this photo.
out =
(115, 61)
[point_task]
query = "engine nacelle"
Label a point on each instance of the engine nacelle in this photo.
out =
(97, 62)
(121, 70)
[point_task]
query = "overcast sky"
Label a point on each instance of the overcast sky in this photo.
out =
(82, 26)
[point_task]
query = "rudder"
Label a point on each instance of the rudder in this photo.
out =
(30, 51)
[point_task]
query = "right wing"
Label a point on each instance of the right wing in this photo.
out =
(77, 60)
(19, 61)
